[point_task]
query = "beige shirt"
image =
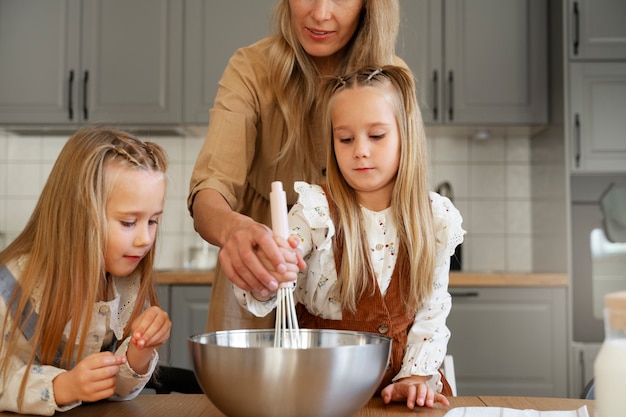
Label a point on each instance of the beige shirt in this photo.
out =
(246, 133)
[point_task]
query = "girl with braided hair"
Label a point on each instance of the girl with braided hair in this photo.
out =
(79, 316)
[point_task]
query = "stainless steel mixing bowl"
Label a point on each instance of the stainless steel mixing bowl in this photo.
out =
(333, 374)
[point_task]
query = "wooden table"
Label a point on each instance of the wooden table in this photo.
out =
(198, 405)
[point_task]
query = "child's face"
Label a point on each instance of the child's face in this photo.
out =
(133, 211)
(367, 143)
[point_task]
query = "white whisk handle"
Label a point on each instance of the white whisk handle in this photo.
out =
(278, 207)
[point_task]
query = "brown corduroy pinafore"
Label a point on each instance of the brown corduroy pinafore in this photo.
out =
(374, 313)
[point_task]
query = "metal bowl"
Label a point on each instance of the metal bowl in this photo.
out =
(334, 373)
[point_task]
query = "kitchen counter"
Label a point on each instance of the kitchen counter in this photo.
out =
(457, 279)
(198, 405)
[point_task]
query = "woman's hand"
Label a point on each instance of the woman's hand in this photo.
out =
(292, 266)
(414, 390)
(241, 239)
(257, 261)
(148, 331)
(92, 379)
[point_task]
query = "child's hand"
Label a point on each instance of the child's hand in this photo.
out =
(92, 379)
(414, 390)
(148, 331)
(293, 264)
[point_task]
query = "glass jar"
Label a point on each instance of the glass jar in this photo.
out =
(610, 364)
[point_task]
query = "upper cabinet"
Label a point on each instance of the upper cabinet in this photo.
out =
(91, 61)
(597, 116)
(595, 35)
(214, 30)
(480, 62)
(597, 29)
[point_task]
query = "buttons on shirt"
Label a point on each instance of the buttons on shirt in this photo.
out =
(104, 309)
(383, 328)
(380, 246)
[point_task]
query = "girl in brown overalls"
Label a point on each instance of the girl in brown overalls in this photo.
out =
(376, 242)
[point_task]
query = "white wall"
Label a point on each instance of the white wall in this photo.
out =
(491, 180)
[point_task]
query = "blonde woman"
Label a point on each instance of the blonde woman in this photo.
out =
(79, 317)
(266, 126)
(376, 242)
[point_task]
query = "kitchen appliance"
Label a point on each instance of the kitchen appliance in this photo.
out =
(598, 267)
(334, 374)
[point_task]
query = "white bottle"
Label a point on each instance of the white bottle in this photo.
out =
(610, 364)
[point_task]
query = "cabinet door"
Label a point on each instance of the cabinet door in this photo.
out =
(596, 116)
(39, 44)
(132, 61)
(496, 61)
(596, 29)
(420, 45)
(214, 30)
(509, 341)
(189, 309)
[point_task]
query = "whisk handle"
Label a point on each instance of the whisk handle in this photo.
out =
(278, 207)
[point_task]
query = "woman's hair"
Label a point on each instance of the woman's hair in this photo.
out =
(295, 78)
(410, 200)
(61, 249)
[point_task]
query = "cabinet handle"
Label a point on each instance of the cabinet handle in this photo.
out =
(576, 28)
(70, 103)
(465, 294)
(435, 95)
(85, 106)
(451, 96)
(577, 136)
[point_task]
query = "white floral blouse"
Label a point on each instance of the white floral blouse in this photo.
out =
(106, 325)
(310, 219)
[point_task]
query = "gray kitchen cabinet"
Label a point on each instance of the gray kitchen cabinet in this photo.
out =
(90, 61)
(596, 29)
(214, 30)
(477, 62)
(509, 340)
(188, 309)
(597, 106)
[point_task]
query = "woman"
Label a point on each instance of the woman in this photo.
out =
(266, 126)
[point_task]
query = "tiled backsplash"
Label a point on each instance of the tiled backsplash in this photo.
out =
(491, 181)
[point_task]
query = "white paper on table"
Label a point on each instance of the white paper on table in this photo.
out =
(512, 412)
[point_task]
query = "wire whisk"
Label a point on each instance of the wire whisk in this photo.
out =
(286, 330)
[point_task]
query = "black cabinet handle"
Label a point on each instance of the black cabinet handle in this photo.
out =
(451, 96)
(85, 106)
(465, 294)
(70, 102)
(435, 95)
(577, 136)
(576, 28)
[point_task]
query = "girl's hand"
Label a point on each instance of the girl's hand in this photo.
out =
(413, 389)
(148, 331)
(240, 257)
(92, 379)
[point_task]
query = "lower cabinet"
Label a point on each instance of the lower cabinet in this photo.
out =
(509, 341)
(188, 307)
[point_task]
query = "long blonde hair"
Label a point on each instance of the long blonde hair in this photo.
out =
(62, 247)
(294, 77)
(410, 201)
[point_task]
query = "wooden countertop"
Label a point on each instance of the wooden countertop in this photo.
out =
(457, 279)
(198, 405)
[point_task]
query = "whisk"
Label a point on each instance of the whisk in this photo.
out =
(286, 331)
